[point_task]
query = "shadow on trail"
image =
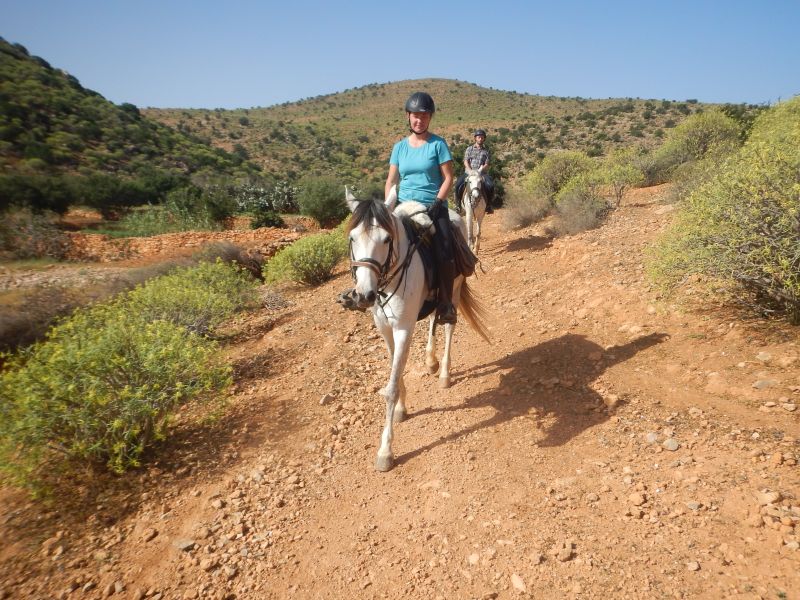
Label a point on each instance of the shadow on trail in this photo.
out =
(561, 411)
(532, 242)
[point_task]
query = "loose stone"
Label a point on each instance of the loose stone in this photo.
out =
(671, 444)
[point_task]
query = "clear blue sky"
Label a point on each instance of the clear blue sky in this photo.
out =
(242, 53)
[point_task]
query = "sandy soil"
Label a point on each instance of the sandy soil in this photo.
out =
(607, 444)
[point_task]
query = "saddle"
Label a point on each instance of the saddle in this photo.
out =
(465, 260)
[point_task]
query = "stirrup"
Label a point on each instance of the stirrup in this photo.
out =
(348, 300)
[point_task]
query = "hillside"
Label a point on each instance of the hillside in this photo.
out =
(53, 128)
(349, 134)
(607, 444)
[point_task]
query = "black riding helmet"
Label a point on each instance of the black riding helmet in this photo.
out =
(420, 102)
(479, 132)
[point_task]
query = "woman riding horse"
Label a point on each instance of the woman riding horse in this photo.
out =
(422, 165)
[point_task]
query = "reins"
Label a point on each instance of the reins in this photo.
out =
(389, 270)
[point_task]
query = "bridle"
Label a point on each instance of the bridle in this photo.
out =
(381, 270)
(389, 270)
(474, 201)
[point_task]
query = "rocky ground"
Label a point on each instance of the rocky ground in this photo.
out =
(606, 444)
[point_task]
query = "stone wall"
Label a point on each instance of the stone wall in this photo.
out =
(93, 247)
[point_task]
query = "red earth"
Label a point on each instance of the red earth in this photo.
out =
(608, 443)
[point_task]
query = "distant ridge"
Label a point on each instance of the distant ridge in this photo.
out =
(349, 134)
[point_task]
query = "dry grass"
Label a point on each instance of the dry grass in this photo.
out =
(27, 314)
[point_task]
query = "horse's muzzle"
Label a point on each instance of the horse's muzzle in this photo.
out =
(365, 300)
(349, 300)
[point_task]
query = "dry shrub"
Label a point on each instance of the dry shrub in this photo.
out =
(522, 210)
(231, 253)
(26, 234)
(27, 317)
(579, 206)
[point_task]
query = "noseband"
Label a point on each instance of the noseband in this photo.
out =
(381, 270)
(389, 270)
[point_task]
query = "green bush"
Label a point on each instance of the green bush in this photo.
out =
(158, 220)
(105, 382)
(218, 202)
(186, 209)
(264, 217)
(310, 260)
(741, 229)
(620, 172)
(37, 191)
(708, 135)
(100, 389)
(322, 198)
(199, 298)
(554, 171)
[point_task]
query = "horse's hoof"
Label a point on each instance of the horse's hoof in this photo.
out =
(399, 415)
(384, 463)
(444, 382)
(433, 367)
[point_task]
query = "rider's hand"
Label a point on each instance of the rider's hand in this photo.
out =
(435, 209)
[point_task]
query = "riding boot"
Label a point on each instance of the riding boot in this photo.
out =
(445, 311)
(445, 263)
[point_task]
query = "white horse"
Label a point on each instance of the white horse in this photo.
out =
(473, 203)
(390, 279)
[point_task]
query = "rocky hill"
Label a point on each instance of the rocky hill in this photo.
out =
(350, 133)
(55, 133)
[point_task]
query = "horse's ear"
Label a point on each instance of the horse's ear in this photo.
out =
(392, 199)
(350, 199)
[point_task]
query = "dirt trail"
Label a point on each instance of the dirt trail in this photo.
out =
(607, 444)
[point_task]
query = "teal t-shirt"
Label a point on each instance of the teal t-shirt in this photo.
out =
(420, 176)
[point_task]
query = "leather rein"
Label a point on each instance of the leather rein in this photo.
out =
(390, 269)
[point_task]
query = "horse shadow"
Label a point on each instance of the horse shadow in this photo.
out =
(548, 383)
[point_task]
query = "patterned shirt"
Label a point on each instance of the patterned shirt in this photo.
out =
(476, 156)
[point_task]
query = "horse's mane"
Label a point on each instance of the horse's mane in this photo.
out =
(366, 212)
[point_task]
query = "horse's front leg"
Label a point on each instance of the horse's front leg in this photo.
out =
(430, 349)
(400, 411)
(392, 393)
(444, 370)
(469, 217)
(478, 223)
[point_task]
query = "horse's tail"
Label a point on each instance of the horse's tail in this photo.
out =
(474, 311)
